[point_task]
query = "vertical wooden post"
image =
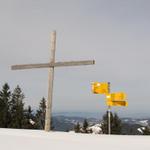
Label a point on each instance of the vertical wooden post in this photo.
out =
(109, 113)
(50, 83)
(109, 120)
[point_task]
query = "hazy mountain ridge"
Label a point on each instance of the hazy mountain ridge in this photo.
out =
(66, 123)
(129, 125)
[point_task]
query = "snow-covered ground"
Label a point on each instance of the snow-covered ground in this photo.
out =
(14, 139)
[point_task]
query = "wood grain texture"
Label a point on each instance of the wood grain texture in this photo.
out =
(48, 116)
(57, 64)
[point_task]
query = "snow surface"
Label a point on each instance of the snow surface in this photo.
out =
(15, 139)
(140, 130)
(143, 122)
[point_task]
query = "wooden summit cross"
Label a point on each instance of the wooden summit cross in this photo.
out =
(51, 65)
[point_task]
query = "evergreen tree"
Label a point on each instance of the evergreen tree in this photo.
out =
(40, 114)
(29, 114)
(146, 131)
(17, 108)
(29, 122)
(85, 125)
(115, 124)
(105, 122)
(5, 117)
(77, 128)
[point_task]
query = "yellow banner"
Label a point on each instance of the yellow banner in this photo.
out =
(117, 103)
(119, 96)
(100, 87)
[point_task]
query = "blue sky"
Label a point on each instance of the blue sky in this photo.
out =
(114, 33)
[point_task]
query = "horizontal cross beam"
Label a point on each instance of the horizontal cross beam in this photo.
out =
(57, 64)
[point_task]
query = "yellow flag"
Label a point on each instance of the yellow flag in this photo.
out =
(100, 87)
(119, 96)
(117, 103)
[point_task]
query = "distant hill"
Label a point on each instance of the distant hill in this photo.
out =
(129, 125)
(66, 123)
